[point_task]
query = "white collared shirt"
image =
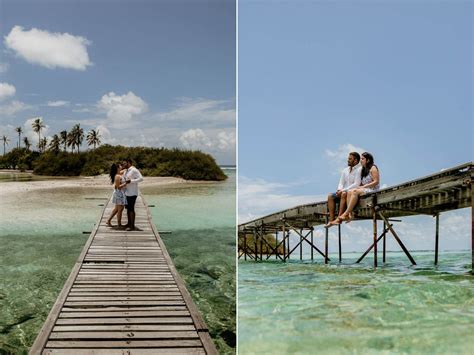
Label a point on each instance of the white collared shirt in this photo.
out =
(135, 177)
(350, 178)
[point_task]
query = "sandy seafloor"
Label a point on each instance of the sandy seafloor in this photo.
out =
(41, 225)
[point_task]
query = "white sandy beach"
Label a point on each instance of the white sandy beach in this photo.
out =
(94, 182)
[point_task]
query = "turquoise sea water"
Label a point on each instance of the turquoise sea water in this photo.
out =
(41, 238)
(311, 308)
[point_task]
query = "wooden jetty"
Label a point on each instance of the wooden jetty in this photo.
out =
(124, 296)
(431, 195)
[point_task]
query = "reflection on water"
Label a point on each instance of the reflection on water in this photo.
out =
(298, 307)
(41, 238)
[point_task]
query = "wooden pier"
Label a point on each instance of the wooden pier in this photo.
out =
(124, 296)
(431, 195)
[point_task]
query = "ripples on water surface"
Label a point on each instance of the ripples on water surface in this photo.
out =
(301, 307)
(41, 238)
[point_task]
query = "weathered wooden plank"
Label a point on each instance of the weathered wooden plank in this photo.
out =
(124, 344)
(123, 335)
(126, 308)
(122, 314)
(124, 351)
(125, 298)
(129, 320)
(124, 328)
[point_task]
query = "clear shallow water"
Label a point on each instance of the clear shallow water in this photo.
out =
(301, 307)
(41, 238)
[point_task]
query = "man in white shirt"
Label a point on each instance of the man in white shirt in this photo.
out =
(350, 179)
(132, 178)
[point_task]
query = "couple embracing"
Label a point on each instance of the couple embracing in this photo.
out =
(359, 178)
(125, 178)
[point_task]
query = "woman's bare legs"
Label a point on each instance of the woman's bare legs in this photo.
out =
(119, 214)
(114, 212)
(353, 198)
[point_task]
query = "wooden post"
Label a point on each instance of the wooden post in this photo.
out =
(276, 244)
(255, 243)
(312, 242)
(262, 235)
(301, 244)
(384, 240)
(436, 239)
(326, 247)
(284, 242)
(339, 236)
(288, 245)
(245, 246)
(374, 223)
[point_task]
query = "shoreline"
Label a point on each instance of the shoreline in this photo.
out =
(92, 182)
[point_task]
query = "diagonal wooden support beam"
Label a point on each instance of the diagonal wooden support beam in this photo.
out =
(307, 241)
(390, 227)
(372, 245)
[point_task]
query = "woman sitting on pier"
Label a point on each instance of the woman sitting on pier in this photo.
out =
(370, 182)
(118, 198)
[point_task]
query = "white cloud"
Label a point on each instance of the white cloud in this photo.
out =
(4, 67)
(198, 111)
(121, 110)
(13, 107)
(58, 103)
(258, 197)
(225, 140)
(195, 139)
(338, 157)
(48, 49)
(6, 91)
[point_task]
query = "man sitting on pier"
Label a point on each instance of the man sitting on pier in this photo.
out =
(132, 178)
(350, 179)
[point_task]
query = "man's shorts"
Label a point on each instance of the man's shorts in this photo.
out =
(335, 197)
(130, 206)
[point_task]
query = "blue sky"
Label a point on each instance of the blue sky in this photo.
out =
(320, 78)
(169, 64)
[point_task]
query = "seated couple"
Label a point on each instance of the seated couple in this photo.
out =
(356, 180)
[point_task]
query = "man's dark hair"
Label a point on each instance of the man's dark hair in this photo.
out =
(128, 160)
(355, 155)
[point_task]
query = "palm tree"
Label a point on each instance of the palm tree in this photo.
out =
(19, 130)
(55, 144)
(63, 136)
(70, 140)
(5, 142)
(93, 138)
(38, 125)
(43, 143)
(27, 143)
(77, 136)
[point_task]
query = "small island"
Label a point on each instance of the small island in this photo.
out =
(53, 158)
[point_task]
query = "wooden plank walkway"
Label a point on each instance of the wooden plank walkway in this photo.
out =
(124, 296)
(431, 195)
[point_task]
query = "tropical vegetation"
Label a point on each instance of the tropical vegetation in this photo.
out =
(52, 157)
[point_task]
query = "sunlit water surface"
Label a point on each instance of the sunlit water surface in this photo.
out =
(41, 238)
(311, 308)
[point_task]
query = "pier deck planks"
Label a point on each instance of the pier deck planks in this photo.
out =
(124, 296)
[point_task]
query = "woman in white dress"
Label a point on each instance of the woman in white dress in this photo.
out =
(118, 197)
(370, 182)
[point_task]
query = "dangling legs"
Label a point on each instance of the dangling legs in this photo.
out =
(353, 198)
(342, 203)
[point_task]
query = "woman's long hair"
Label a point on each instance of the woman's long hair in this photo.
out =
(113, 171)
(368, 165)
